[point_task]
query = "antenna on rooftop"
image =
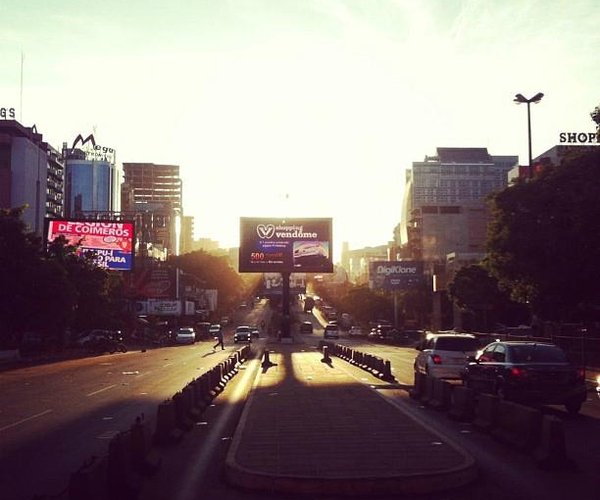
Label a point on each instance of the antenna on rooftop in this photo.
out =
(21, 90)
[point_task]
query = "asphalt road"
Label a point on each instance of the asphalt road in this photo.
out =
(55, 417)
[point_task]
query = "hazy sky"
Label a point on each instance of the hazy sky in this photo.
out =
(300, 107)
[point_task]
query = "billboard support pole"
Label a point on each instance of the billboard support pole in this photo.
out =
(395, 309)
(285, 299)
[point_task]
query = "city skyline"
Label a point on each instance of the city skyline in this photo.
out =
(301, 109)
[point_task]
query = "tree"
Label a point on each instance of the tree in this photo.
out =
(35, 293)
(95, 290)
(474, 291)
(19, 254)
(215, 273)
(544, 239)
(365, 304)
(416, 304)
(49, 291)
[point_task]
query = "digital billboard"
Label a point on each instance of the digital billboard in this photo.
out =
(110, 241)
(285, 245)
(395, 275)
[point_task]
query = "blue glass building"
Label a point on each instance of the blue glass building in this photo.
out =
(91, 185)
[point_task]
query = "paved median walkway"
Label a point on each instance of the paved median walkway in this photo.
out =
(311, 427)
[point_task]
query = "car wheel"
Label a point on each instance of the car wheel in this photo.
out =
(573, 407)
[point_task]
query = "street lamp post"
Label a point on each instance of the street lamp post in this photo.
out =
(519, 99)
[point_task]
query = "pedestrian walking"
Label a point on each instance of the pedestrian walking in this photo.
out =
(219, 338)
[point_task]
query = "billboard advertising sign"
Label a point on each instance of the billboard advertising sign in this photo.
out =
(273, 284)
(93, 151)
(111, 242)
(395, 275)
(155, 283)
(164, 307)
(285, 245)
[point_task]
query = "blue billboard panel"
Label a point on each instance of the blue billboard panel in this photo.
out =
(395, 275)
(285, 245)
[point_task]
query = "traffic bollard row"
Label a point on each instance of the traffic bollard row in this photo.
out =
(379, 367)
(131, 455)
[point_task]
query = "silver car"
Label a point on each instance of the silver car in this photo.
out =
(185, 335)
(445, 355)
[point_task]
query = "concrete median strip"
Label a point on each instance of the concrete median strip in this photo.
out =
(327, 433)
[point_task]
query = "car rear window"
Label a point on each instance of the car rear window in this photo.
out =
(536, 353)
(461, 344)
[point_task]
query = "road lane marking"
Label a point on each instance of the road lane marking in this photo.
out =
(25, 420)
(107, 435)
(101, 390)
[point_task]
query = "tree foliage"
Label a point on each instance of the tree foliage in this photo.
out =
(473, 288)
(544, 238)
(478, 294)
(49, 291)
(214, 273)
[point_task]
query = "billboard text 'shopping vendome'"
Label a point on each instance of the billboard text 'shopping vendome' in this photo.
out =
(285, 245)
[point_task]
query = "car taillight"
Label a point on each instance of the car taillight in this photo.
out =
(436, 358)
(580, 374)
(518, 372)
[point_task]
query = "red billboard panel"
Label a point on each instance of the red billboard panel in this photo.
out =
(285, 245)
(111, 242)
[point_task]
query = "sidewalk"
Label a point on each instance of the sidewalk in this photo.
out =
(311, 427)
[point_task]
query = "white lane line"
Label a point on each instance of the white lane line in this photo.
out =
(25, 420)
(101, 390)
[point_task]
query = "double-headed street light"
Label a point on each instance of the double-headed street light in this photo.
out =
(519, 99)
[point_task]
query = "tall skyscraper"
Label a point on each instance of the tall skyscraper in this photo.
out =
(444, 207)
(152, 194)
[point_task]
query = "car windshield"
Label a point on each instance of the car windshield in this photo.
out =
(461, 344)
(537, 353)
